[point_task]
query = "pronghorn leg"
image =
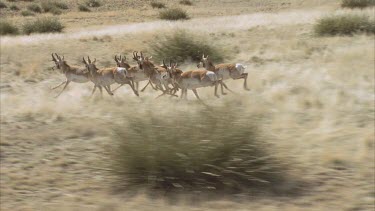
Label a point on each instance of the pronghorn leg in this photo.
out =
(222, 89)
(145, 86)
(225, 86)
(118, 87)
(196, 93)
(244, 76)
(93, 91)
(216, 83)
(154, 87)
(108, 89)
(133, 88)
(59, 85)
(137, 86)
(66, 84)
(101, 91)
(182, 93)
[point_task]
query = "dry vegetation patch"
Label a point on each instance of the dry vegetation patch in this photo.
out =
(173, 14)
(357, 3)
(43, 25)
(7, 28)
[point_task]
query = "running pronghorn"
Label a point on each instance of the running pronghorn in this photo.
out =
(157, 75)
(107, 76)
(225, 71)
(193, 79)
(72, 73)
(136, 73)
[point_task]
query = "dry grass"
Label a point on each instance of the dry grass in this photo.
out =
(318, 113)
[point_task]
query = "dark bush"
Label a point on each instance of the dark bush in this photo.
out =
(34, 8)
(344, 25)
(357, 3)
(173, 14)
(27, 13)
(43, 25)
(182, 45)
(3, 5)
(83, 8)
(186, 2)
(93, 3)
(14, 8)
(158, 5)
(7, 28)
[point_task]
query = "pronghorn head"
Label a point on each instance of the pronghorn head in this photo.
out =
(143, 62)
(121, 62)
(205, 62)
(172, 70)
(59, 62)
(90, 66)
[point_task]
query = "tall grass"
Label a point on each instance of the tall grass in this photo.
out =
(345, 24)
(34, 8)
(186, 2)
(207, 149)
(43, 25)
(182, 45)
(6, 28)
(173, 14)
(156, 4)
(357, 3)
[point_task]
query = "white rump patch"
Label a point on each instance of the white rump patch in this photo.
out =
(122, 71)
(211, 75)
(240, 68)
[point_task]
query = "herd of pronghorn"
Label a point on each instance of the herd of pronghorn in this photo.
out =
(166, 78)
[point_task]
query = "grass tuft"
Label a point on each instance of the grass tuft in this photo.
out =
(14, 7)
(34, 8)
(357, 3)
(43, 25)
(157, 5)
(93, 3)
(6, 28)
(173, 14)
(3, 5)
(199, 150)
(54, 7)
(344, 25)
(186, 2)
(83, 8)
(182, 45)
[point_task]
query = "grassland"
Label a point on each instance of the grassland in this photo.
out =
(312, 98)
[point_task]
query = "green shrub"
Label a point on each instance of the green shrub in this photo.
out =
(357, 3)
(193, 150)
(344, 25)
(14, 8)
(34, 8)
(27, 13)
(186, 2)
(173, 14)
(3, 5)
(158, 5)
(43, 25)
(93, 3)
(54, 7)
(83, 8)
(182, 45)
(7, 28)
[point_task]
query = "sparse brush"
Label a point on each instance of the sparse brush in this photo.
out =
(3, 5)
(34, 8)
(207, 149)
(344, 24)
(173, 14)
(83, 8)
(186, 2)
(182, 45)
(158, 5)
(54, 7)
(357, 3)
(43, 25)
(14, 8)
(27, 13)
(93, 3)
(6, 28)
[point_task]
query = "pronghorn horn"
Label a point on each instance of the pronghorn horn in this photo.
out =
(142, 55)
(57, 56)
(94, 60)
(120, 57)
(164, 63)
(53, 58)
(116, 58)
(84, 61)
(88, 59)
(124, 58)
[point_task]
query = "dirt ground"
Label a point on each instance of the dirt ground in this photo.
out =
(317, 94)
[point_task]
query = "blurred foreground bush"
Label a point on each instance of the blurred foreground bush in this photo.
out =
(208, 149)
(357, 3)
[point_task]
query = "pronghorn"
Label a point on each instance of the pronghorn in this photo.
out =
(136, 73)
(225, 71)
(157, 75)
(107, 76)
(72, 73)
(193, 79)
